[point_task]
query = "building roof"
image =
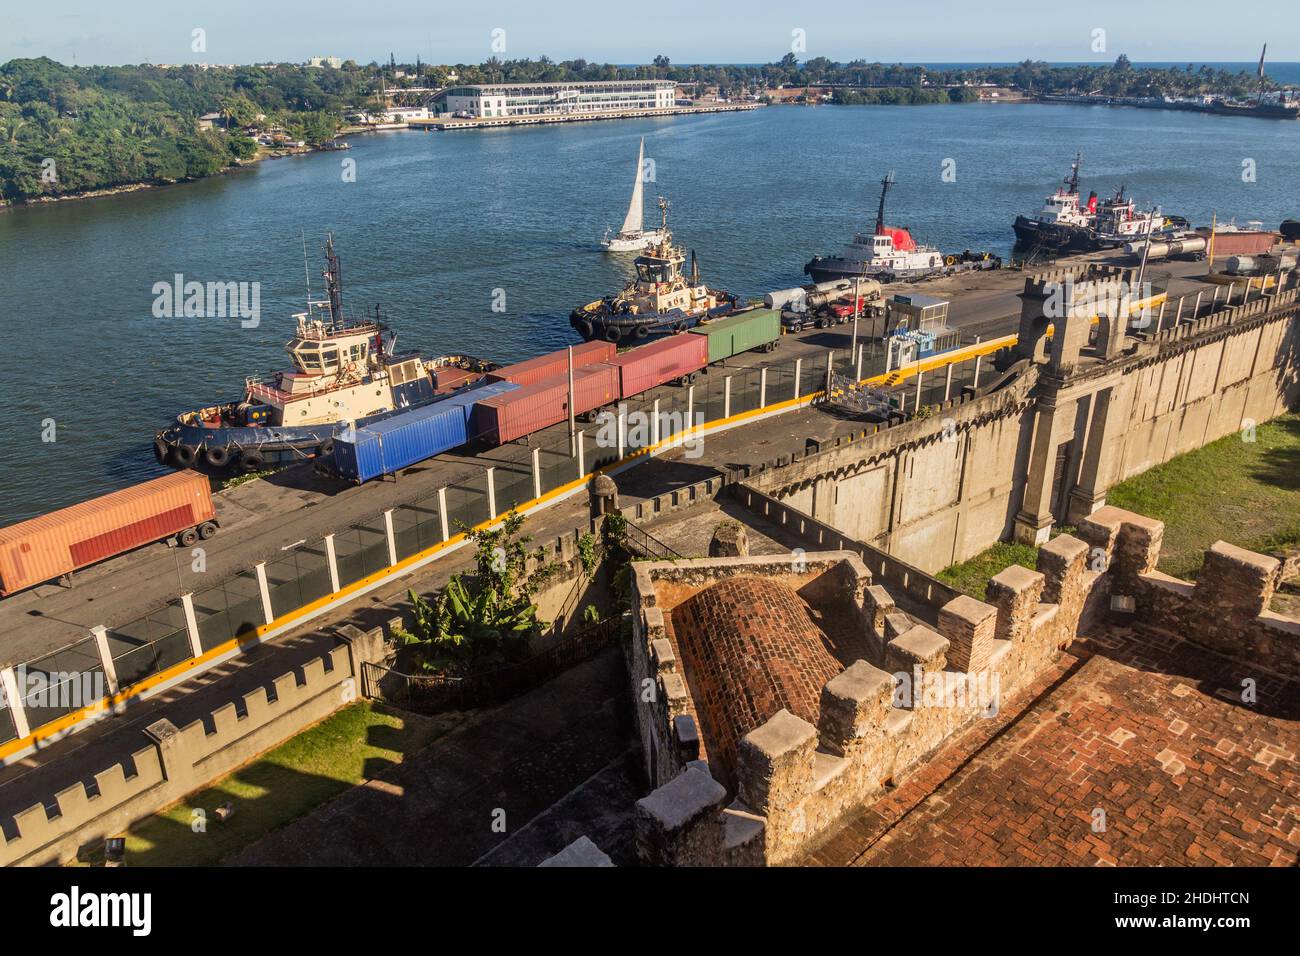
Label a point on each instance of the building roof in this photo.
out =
(563, 84)
(751, 649)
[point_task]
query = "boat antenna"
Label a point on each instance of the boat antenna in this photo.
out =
(1262, 79)
(1073, 181)
(880, 211)
(333, 282)
(306, 271)
(663, 211)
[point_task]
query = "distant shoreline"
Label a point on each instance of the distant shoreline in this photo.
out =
(7, 205)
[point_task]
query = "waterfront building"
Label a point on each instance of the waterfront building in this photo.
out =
(497, 100)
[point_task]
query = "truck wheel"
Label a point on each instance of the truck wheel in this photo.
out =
(207, 529)
(188, 538)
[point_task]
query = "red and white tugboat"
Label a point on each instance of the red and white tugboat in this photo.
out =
(885, 254)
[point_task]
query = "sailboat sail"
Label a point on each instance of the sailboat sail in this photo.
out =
(632, 221)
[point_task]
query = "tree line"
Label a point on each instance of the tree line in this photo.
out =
(66, 130)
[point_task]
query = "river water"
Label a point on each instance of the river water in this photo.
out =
(439, 227)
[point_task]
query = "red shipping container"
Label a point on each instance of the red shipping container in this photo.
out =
(41, 549)
(450, 378)
(646, 366)
(1241, 243)
(546, 366)
(512, 415)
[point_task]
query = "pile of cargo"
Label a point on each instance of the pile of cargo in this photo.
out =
(521, 399)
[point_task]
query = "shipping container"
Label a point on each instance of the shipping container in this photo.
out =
(44, 548)
(504, 418)
(646, 366)
(551, 364)
(449, 378)
(740, 333)
(1241, 243)
(399, 441)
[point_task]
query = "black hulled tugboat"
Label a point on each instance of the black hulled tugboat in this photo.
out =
(660, 301)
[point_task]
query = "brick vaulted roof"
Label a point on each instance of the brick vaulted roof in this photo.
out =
(751, 649)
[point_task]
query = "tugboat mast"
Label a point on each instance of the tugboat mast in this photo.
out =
(1072, 182)
(880, 211)
(333, 284)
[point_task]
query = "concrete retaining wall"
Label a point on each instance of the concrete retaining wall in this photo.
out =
(173, 762)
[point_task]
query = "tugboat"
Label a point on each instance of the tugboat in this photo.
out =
(342, 372)
(886, 254)
(1062, 223)
(660, 301)
(1118, 222)
(631, 236)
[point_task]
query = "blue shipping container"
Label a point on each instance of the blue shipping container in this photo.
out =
(392, 443)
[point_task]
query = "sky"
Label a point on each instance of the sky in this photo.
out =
(109, 32)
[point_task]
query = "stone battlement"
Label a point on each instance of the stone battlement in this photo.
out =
(879, 719)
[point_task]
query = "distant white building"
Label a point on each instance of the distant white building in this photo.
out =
(333, 62)
(495, 100)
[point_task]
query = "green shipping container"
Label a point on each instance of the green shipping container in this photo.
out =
(740, 333)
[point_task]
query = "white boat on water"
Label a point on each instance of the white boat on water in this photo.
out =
(631, 236)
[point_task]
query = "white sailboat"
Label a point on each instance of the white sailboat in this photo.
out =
(631, 236)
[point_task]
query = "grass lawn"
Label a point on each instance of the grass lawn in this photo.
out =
(1244, 492)
(348, 747)
(972, 576)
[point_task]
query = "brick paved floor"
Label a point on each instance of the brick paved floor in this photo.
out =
(1135, 749)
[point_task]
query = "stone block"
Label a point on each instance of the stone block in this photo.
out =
(921, 647)
(1236, 582)
(969, 626)
(1062, 562)
(730, 540)
(1015, 592)
(580, 853)
(776, 763)
(854, 706)
(680, 823)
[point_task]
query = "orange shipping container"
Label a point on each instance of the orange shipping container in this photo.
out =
(41, 549)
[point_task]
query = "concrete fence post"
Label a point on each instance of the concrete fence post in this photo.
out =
(491, 492)
(919, 374)
(690, 407)
(537, 472)
(192, 624)
(798, 375)
(14, 698)
(265, 590)
(947, 381)
(858, 368)
(332, 559)
(582, 465)
(830, 371)
(105, 659)
(622, 434)
(762, 387)
(391, 538)
(1231, 286)
(442, 513)
(1196, 306)
(654, 425)
(726, 397)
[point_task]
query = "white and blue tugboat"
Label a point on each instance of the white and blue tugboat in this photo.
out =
(343, 372)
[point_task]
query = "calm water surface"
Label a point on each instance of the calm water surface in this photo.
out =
(436, 222)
